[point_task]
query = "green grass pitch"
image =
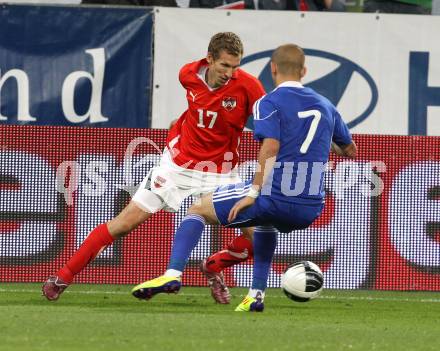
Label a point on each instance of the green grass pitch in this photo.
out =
(107, 317)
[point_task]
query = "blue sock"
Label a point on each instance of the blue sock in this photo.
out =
(187, 236)
(265, 242)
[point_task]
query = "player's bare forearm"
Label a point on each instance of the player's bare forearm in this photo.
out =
(266, 160)
(349, 150)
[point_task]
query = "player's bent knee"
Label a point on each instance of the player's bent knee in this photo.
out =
(203, 207)
(200, 211)
(196, 208)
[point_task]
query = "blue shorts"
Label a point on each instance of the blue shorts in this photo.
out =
(285, 216)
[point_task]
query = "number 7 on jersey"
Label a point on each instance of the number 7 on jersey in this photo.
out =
(313, 126)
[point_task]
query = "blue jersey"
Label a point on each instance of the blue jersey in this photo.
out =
(305, 123)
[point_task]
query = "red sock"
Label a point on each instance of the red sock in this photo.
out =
(98, 239)
(238, 250)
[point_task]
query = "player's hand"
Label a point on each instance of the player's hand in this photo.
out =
(240, 206)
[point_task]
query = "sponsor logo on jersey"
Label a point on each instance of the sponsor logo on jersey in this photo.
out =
(229, 103)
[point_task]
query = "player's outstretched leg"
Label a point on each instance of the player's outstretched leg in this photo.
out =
(238, 250)
(96, 242)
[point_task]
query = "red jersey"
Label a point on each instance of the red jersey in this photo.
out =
(209, 130)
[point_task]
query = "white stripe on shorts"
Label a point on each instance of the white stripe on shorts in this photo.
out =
(231, 195)
(267, 229)
(226, 191)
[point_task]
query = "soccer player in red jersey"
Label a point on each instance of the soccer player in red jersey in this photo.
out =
(201, 154)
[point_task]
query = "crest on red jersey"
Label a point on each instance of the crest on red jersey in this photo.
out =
(159, 182)
(229, 103)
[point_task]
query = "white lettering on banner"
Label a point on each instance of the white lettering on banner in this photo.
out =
(369, 172)
(246, 170)
(93, 172)
(93, 113)
(349, 174)
(347, 237)
(300, 178)
(22, 79)
(97, 81)
(35, 196)
(316, 178)
(70, 173)
(97, 199)
(130, 165)
(67, 178)
(411, 210)
(91, 179)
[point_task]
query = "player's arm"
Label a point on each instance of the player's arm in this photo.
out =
(266, 160)
(267, 129)
(342, 142)
(255, 91)
(347, 150)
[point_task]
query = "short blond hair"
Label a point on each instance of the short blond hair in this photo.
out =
(289, 59)
(225, 41)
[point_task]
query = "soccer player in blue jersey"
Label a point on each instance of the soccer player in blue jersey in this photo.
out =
(297, 128)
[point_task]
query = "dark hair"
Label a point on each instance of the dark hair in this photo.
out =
(225, 41)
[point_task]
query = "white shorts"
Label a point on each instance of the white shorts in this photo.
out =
(171, 184)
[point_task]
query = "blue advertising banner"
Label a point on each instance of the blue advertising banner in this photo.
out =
(75, 66)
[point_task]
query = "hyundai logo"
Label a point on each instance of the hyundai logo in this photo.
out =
(332, 85)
